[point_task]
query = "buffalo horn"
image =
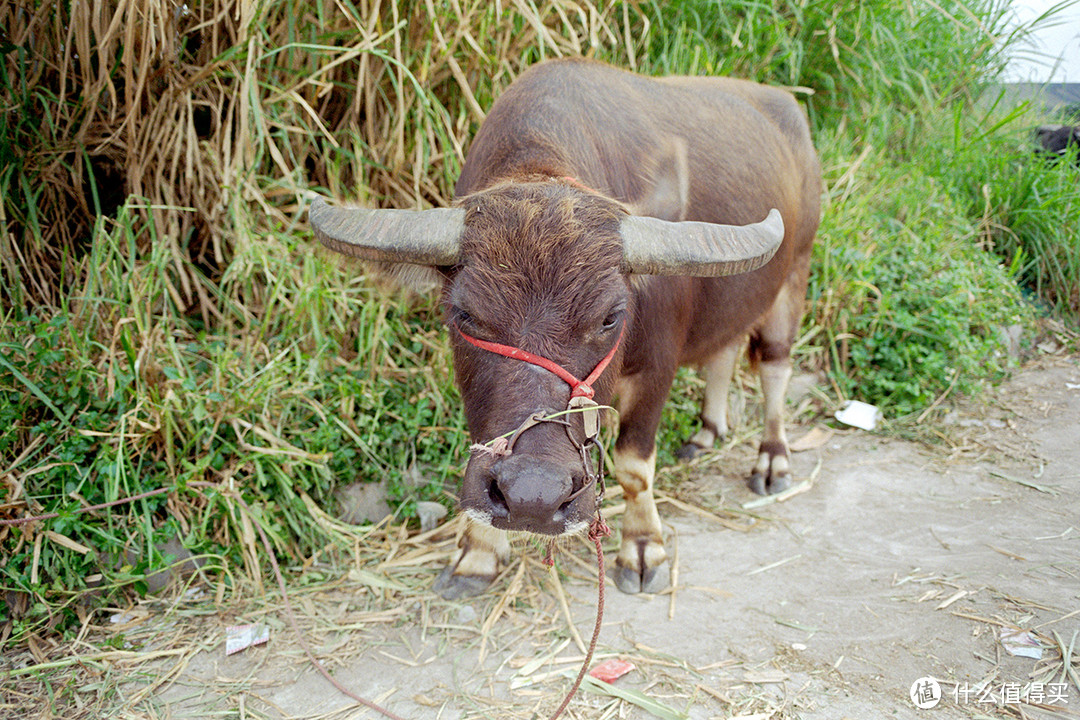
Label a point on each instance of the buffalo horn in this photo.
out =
(421, 237)
(696, 249)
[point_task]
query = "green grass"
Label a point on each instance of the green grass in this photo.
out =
(308, 379)
(909, 304)
(206, 339)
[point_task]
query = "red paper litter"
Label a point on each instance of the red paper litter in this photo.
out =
(611, 670)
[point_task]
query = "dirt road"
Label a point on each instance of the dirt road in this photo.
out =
(902, 562)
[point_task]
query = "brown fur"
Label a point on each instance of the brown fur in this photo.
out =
(528, 281)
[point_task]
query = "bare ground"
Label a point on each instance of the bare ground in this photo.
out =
(903, 560)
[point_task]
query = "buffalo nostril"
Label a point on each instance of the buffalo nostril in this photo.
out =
(531, 487)
(523, 492)
(499, 506)
(579, 485)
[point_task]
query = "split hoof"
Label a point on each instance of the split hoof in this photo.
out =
(652, 580)
(769, 485)
(689, 451)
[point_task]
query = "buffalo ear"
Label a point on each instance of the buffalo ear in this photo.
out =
(669, 183)
(696, 249)
(405, 277)
(419, 237)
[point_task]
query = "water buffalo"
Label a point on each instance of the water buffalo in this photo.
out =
(608, 228)
(1057, 141)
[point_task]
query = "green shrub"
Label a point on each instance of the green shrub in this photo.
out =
(1023, 204)
(911, 305)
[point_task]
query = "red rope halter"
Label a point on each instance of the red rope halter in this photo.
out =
(599, 529)
(578, 388)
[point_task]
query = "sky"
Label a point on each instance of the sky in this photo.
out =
(1054, 55)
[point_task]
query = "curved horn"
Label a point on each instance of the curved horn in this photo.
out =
(421, 237)
(696, 249)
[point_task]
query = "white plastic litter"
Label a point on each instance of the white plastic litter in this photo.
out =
(859, 414)
(241, 637)
(1021, 643)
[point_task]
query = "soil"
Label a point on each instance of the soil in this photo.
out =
(903, 560)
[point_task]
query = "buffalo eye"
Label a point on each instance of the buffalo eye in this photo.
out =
(612, 320)
(461, 318)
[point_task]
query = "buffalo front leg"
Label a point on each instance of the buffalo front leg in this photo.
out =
(641, 565)
(482, 552)
(717, 373)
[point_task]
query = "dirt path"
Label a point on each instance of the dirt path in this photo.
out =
(901, 562)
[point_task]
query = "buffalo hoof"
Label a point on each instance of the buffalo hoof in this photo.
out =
(689, 451)
(455, 587)
(652, 580)
(769, 485)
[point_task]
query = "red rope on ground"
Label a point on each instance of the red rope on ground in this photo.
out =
(597, 532)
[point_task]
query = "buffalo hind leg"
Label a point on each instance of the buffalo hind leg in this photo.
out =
(641, 565)
(482, 551)
(772, 473)
(770, 351)
(717, 373)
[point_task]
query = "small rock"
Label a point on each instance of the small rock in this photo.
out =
(413, 476)
(362, 502)
(430, 513)
(466, 614)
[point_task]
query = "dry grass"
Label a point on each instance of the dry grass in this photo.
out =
(193, 107)
(366, 599)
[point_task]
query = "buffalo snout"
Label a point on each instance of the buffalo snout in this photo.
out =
(528, 493)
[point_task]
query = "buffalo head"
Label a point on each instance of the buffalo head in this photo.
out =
(543, 267)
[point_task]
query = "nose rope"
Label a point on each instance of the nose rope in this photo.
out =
(581, 394)
(504, 444)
